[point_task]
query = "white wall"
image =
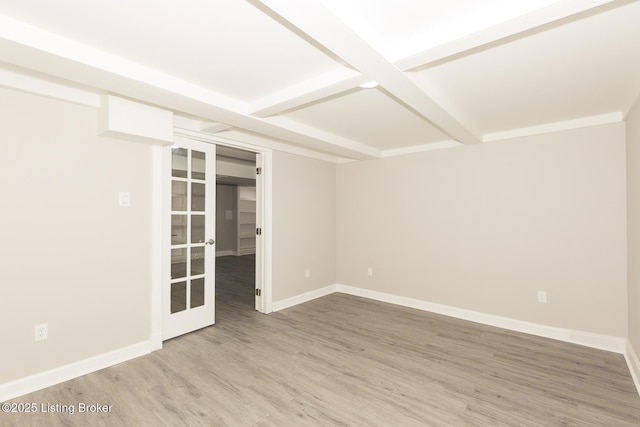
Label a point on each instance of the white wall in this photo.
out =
(485, 227)
(633, 223)
(304, 233)
(69, 256)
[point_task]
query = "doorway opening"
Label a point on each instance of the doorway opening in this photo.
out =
(236, 197)
(168, 220)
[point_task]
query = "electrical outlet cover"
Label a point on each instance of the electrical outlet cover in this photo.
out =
(41, 332)
(542, 296)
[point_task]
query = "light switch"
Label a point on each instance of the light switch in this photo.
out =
(228, 214)
(124, 199)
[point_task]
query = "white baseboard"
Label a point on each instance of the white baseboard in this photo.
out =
(634, 365)
(307, 296)
(42, 380)
(602, 342)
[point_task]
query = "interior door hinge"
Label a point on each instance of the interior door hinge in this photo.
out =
(258, 171)
(258, 231)
(258, 292)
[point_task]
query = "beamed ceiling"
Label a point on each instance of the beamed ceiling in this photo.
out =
(449, 72)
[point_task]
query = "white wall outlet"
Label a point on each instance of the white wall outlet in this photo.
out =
(124, 199)
(307, 273)
(542, 296)
(370, 271)
(42, 332)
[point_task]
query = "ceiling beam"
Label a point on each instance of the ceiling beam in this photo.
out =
(18, 79)
(317, 23)
(211, 127)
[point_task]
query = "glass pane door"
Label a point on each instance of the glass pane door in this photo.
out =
(190, 294)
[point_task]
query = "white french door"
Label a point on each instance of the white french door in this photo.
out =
(189, 252)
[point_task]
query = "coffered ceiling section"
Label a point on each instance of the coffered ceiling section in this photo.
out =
(368, 115)
(449, 72)
(580, 69)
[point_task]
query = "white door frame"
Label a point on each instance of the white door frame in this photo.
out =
(161, 205)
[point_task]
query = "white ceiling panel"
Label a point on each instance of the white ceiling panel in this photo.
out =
(585, 68)
(401, 28)
(371, 117)
(227, 46)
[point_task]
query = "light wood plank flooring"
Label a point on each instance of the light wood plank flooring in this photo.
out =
(347, 361)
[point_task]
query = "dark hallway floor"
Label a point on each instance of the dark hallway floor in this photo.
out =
(235, 286)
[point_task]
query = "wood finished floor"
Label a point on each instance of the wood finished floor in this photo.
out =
(346, 361)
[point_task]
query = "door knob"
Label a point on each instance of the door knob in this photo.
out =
(210, 242)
